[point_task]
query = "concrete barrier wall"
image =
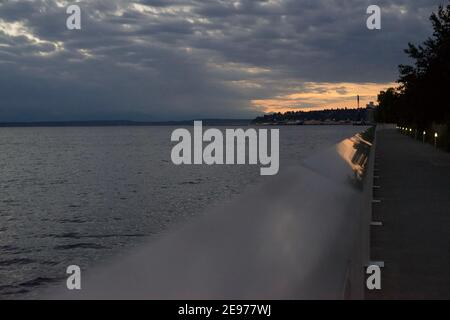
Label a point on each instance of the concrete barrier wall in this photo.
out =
(303, 236)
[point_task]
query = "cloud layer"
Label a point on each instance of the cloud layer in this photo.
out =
(184, 59)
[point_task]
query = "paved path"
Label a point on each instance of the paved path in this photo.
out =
(414, 241)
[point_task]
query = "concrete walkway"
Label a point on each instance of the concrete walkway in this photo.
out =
(414, 241)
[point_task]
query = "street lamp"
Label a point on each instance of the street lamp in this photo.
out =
(435, 139)
(424, 134)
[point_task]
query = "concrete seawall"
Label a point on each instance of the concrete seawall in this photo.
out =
(303, 236)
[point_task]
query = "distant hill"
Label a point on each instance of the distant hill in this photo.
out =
(108, 123)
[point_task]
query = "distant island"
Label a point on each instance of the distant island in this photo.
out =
(359, 116)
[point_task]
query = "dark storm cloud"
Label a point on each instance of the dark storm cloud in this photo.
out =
(179, 59)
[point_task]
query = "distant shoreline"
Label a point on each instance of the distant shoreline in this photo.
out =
(316, 123)
(118, 123)
(206, 122)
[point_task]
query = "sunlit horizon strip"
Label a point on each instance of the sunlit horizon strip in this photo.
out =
(321, 96)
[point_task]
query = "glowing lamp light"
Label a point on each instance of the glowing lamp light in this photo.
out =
(436, 135)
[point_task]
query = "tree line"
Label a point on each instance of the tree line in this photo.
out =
(422, 99)
(353, 115)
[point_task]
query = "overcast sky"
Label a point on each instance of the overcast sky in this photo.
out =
(185, 59)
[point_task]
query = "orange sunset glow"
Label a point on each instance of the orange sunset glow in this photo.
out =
(318, 96)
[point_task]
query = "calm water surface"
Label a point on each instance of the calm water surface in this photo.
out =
(83, 195)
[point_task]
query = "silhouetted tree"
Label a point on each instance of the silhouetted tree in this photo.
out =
(387, 103)
(423, 97)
